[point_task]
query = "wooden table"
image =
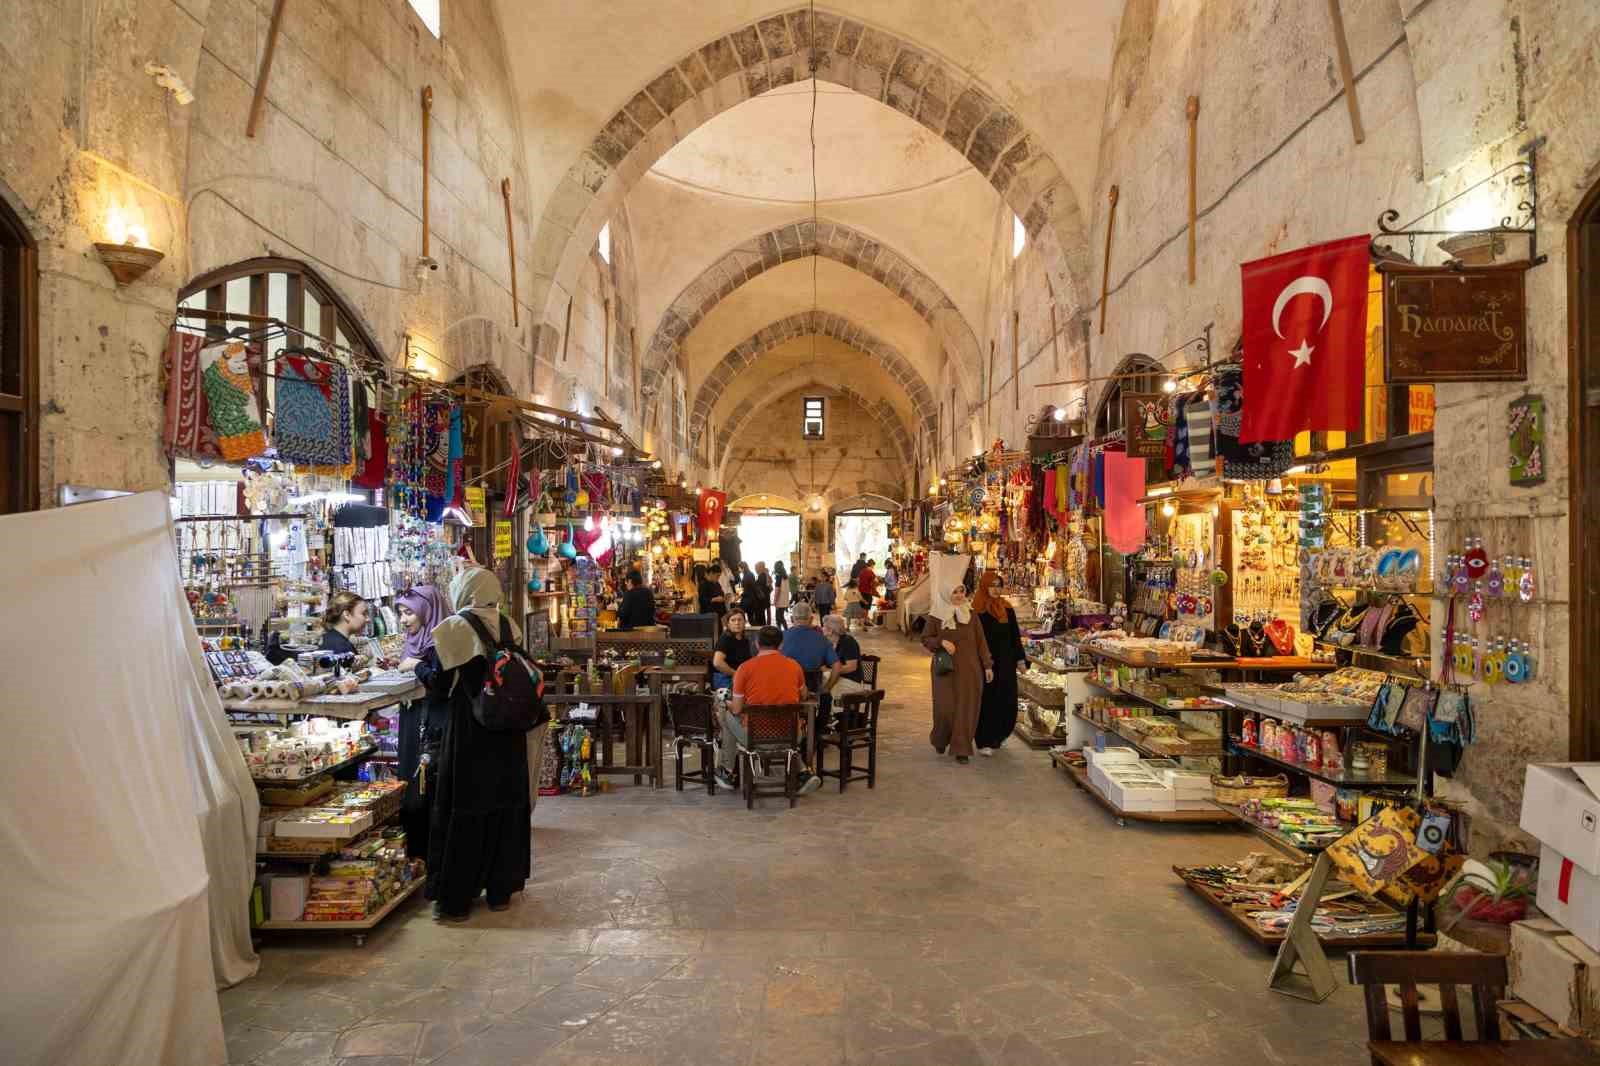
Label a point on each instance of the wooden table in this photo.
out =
(1487, 1053)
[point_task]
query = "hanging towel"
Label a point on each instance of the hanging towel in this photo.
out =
(1124, 485)
(436, 452)
(1197, 422)
(376, 465)
(1260, 460)
(230, 392)
(454, 491)
(1180, 438)
(1063, 479)
(1050, 493)
(311, 428)
(1099, 479)
(186, 432)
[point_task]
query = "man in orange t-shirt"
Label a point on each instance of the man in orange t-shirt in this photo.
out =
(770, 679)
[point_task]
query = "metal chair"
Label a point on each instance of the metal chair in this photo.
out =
(854, 726)
(694, 721)
(771, 732)
(1376, 970)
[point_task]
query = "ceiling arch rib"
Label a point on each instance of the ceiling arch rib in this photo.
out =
(778, 50)
(783, 244)
(747, 353)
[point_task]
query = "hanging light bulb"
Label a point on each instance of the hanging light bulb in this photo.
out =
(1168, 510)
(1059, 414)
(1169, 385)
(588, 523)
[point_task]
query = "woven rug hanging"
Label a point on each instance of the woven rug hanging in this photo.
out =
(233, 411)
(186, 429)
(311, 425)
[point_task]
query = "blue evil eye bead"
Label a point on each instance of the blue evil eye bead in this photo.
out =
(1516, 668)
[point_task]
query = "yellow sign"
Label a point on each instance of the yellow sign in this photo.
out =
(502, 541)
(477, 507)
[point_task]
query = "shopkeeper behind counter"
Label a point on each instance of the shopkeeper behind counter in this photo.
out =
(638, 604)
(345, 617)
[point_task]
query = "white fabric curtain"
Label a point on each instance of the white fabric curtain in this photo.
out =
(127, 819)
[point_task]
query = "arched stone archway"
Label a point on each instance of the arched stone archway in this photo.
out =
(786, 243)
(745, 355)
(779, 50)
(881, 410)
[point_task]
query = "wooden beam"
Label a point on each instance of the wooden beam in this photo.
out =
(259, 98)
(1347, 73)
(1016, 365)
(1055, 327)
(511, 250)
(605, 350)
(566, 331)
(427, 118)
(1105, 264)
(633, 349)
(988, 388)
(1193, 113)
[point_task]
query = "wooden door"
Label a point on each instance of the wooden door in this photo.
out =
(1583, 264)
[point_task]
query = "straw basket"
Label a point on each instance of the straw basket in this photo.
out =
(1235, 790)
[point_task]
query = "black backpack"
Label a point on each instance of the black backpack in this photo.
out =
(511, 699)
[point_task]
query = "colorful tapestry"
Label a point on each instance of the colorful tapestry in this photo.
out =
(436, 455)
(373, 468)
(311, 425)
(1258, 460)
(455, 458)
(230, 393)
(186, 431)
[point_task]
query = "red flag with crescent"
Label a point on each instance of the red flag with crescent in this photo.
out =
(1305, 340)
(712, 505)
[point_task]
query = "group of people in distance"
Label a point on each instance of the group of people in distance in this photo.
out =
(766, 596)
(975, 703)
(468, 802)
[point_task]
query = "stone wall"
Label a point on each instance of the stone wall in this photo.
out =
(858, 455)
(1449, 89)
(333, 177)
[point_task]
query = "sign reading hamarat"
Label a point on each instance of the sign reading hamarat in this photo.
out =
(1441, 324)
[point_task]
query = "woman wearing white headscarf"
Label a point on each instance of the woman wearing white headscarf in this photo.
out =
(957, 695)
(479, 838)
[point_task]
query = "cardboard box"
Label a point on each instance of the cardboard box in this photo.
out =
(1132, 794)
(1111, 755)
(1554, 972)
(1570, 896)
(288, 901)
(322, 823)
(1188, 785)
(1561, 807)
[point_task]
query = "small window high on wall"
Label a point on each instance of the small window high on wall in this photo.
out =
(811, 418)
(1019, 236)
(605, 243)
(428, 12)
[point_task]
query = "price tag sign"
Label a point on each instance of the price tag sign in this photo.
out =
(477, 507)
(502, 541)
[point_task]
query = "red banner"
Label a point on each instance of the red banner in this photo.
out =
(712, 505)
(1305, 340)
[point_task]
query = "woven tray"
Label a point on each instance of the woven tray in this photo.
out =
(1235, 790)
(1055, 698)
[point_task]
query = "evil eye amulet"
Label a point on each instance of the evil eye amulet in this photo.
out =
(1516, 668)
(1475, 607)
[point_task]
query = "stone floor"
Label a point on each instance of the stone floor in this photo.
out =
(981, 914)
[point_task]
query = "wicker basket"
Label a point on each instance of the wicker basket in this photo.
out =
(1054, 698)
(1235, 790)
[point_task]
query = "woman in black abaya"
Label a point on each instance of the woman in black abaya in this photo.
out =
(998, 715)
(479, 837)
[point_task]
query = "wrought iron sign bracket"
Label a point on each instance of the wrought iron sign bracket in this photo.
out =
(1525, 223)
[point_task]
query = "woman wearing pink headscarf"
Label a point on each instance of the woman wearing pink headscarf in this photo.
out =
(422, 721)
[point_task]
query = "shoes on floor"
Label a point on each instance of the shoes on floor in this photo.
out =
(962, 759)
(725, 780)
(442, 915)
(810, 784)
(500, 906)
(938, 751)
(986, 752)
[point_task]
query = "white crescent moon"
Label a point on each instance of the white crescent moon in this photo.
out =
(1306, 283)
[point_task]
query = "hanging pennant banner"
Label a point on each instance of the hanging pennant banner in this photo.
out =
(1147, 416)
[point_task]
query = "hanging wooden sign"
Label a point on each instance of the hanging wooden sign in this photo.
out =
(1468, 324)
(1146, 416)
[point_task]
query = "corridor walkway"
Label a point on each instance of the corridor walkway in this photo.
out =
(981, 914)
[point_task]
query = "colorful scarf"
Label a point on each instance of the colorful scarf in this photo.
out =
(186, 432)
(427, 603)
(311, 428)
(230, 392)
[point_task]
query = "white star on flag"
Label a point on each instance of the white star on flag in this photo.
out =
(1302, 354)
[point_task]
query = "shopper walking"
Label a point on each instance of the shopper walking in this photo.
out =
(957, 693)
(867, 585)
(479, 840)
(726, 582)
(825, 595)
(891, 580)
(781, 594)
(422, 721)
(998, 714)
(764, 600)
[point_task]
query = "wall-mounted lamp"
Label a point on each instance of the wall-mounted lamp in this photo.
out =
(127, 254)
(1059, 414)
(1169, 385)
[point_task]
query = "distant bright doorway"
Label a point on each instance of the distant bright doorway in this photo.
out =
(769, 537)
(860, 531)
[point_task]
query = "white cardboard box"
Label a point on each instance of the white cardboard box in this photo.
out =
(288, 900)
(1561, 807)
(1570, 895)
(1556, 974)
(1133, 795)
(1110, 755)
(1188, 784)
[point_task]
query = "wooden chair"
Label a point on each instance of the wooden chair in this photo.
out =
(771, 732)
(869, 670)
(694, 722)
(1376, 970)
(855, 725)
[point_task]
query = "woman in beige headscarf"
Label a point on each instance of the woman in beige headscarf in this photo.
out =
(479, 838)
(957, 695)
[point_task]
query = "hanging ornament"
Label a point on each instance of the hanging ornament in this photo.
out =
(1476, 559)
(1495, 583)
(1475, 605)
(1525, 588)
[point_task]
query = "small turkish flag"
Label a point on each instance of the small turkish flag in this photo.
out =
(712, 504)
(1305, 340)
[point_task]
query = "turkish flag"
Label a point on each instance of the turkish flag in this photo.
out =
(1305, 340)
(712, 505)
